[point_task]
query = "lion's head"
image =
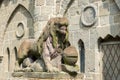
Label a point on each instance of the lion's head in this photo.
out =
(55, 26)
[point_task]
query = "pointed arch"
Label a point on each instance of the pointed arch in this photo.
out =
(82, 55)
(109, 48)
(19, 7)
(8, 57)
(15, 51)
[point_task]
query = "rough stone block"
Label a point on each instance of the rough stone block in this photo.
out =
(65, 3)
(118, 3)
(11, 35)
(104, 9)
(41, 18)
(111, 19)
(114, 9)
(82, 3)
(50, 2)
(46, 10)
(72, 11)
(37, 34)
(103, 31)
(115, 30)
(37, 10)
(94, 1)
(58, 1)
(117, 18)
(40, 2)
(74, 27)
(104, 20)
(93, 39)
(57, 8)
(62, 11)
(90, 60)
(37, 26)
(111, 1)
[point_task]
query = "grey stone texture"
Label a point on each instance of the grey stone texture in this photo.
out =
(34, 14)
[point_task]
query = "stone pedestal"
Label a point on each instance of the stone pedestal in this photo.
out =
(46, 75)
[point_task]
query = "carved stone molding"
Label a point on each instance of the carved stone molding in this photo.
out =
(20, 30)
(88, 16)
(118, 3)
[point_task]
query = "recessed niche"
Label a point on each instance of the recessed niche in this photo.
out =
(88, 16)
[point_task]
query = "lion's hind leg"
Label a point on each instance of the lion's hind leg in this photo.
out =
(22, 54)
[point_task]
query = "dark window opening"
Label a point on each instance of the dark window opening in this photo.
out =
(8, 53)
(82, 56)
(15, 49)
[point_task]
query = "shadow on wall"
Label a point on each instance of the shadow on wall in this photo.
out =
(1, 2)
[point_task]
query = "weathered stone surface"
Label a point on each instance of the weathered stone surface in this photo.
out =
(104, 9)
(92, 1)
(46, 10)
(72, 11)
(57, 8)
(114, 9)
(40, 2)
(64, 3)
(117, 18)
(40, 11)
(38, 66)
(41, 18)
(50, 2)
(74, 20)
(37, 10)
(118, 3)
(44, 75)
(104, 20)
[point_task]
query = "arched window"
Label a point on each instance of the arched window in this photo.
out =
(15, 49)
(82, 56)
(109, 48)
(8, 53)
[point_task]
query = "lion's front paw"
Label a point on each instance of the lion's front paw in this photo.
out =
(53, 69)
(27, 69)
(18, 70)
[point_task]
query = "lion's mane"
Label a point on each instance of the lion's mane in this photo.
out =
(51, 29)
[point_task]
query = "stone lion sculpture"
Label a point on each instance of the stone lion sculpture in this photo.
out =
(46, 53)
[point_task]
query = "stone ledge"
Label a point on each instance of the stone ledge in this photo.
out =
(45, 75)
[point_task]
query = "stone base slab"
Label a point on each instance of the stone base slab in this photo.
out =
(46, 75)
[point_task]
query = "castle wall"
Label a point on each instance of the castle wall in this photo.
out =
(89, 20)
(106, 23)
(16, 24)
